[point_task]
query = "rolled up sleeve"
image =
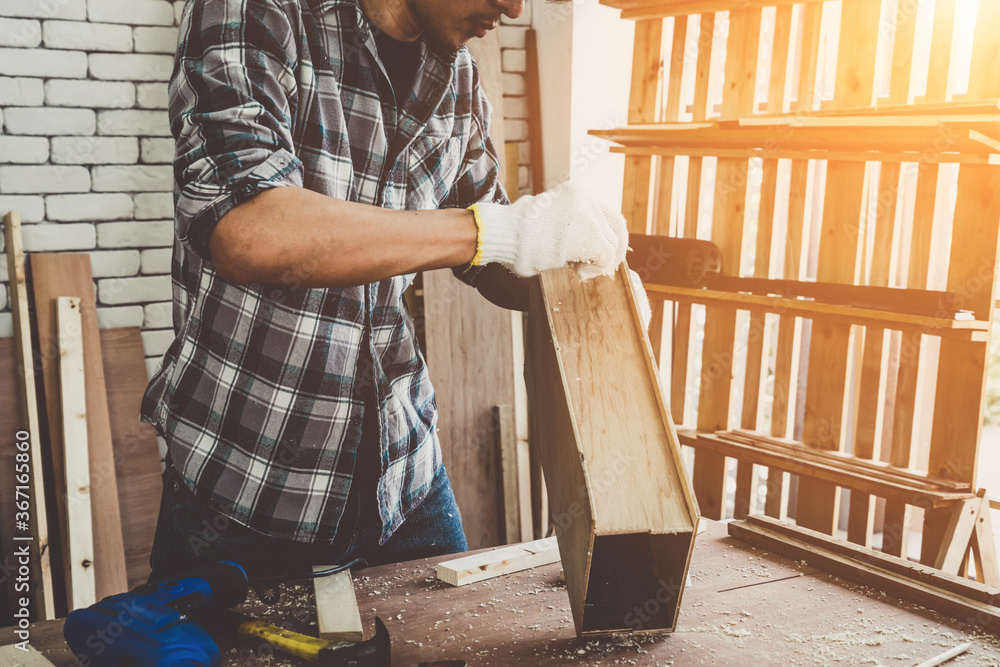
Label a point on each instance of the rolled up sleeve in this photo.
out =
(232, 98)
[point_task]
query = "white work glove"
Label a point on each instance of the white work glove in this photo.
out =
(562, 227)
(641, 300)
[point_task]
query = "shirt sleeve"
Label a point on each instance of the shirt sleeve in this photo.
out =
(480, 177)
(231, 100)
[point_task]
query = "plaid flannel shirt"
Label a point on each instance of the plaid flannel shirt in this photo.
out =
(259, 397)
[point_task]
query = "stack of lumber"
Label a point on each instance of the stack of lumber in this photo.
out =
(94, 467)
(847, 175)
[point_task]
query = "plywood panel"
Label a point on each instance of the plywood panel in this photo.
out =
(137, 455)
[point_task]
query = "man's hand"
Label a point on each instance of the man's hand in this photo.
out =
(562, 227)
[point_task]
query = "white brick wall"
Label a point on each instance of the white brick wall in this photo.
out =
(85, 151)
(85, 147)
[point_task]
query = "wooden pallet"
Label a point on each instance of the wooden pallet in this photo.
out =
(843, 182)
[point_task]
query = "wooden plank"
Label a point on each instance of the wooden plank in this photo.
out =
(497, 562)
(715, 392)
(961, 373)
(825, 406)
(644, 10)
(65, 274)
(27, 421)
(932, 597)
(643, 108)
(878, 364)
(337, 615)
(957, 329)
(137, 455)
(594, 378)
(825, 138)
(796, 241)
(682, 327)
(512, 154)
(758, 344)
(929, 303)
(961, 526)
(842, 459)
(82, 586)
(960, 586)
(673, 75)
(534, 95)
(984, 546)
(984, 77)
(973, 149)
(510, 468)
(820, 472)
(14, 656)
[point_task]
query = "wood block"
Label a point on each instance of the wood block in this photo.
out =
(622, 505)
(337, 607)
(497, 562)
(79, 538)
(26, 420)
(65, 274)
(12, 656)
(137, 455)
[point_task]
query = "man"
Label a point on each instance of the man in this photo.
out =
(326, 151)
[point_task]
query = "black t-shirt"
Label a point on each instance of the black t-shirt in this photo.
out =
(401, 60)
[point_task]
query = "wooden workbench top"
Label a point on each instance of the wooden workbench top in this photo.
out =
(742, 606)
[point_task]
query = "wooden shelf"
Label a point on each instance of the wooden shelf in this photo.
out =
(840, 469)
(647, 9)
(963, 329)
(970, 138)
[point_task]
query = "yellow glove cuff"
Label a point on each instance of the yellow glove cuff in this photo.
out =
(477, 260)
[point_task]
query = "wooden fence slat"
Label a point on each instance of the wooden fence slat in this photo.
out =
(840, 233)
(757, 338)
(682, 328)
(729, 213)
(643, 102)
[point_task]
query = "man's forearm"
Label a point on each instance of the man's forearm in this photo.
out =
(293, 236)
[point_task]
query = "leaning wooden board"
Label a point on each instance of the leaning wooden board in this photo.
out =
(622, 505)
(137, 455)
(743, 606)
(27, 421)
(52, 276)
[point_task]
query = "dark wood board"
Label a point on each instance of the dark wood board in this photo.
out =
(66, 274)
(137, 455)
(743, 606)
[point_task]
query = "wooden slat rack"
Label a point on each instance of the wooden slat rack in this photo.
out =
(840, 159)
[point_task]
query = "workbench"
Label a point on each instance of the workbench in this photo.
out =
(742, 606)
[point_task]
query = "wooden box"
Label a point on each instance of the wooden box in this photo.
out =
(621, 503)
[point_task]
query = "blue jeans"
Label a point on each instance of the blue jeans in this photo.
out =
(189, 533)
